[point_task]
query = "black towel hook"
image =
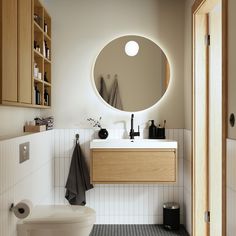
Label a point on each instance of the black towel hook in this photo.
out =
(77, 138)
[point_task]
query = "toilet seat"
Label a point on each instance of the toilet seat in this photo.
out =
(60, 214)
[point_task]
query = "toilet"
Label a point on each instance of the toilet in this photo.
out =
(58, 220)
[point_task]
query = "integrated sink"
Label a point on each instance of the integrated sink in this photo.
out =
(133, 143)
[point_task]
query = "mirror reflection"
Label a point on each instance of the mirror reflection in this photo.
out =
(131, 73)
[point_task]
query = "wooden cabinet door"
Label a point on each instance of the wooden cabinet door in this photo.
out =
(8, 50)
(24, 51)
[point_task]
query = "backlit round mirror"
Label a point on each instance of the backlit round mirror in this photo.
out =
(131, 73)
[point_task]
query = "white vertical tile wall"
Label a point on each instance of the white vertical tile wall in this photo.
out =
(32, 179)
(120, 203)
(187, 180)
(231, 186)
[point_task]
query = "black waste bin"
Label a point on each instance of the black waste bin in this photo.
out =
(171, 215)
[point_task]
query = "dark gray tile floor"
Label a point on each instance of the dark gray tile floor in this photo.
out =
(135, 230)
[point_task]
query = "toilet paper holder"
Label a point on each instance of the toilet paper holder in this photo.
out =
(20, 210)
(11, 207)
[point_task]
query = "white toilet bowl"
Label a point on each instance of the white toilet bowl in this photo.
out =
(58, 220)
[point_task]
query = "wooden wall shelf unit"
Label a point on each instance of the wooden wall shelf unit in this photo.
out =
(133, 165)
(25, 38)
(41, 65)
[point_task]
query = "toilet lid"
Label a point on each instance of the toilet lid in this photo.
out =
(60, 214)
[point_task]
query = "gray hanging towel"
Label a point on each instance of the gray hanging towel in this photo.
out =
(78, 180)
(115, 99)
(103, 90)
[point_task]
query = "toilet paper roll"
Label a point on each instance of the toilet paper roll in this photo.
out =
(22, 209)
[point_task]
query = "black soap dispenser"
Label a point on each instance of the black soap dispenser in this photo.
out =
(152, 130)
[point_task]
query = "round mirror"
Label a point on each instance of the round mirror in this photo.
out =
(131, 73)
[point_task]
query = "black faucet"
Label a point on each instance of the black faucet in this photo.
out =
(132, 134)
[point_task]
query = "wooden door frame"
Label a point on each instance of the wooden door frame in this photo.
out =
(198, 4)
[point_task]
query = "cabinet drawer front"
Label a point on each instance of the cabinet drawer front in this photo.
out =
(139, 166)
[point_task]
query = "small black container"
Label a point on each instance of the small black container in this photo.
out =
(161, 133)
(171, 215)
(103, 134)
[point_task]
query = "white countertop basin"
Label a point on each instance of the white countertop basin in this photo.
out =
(135, 143)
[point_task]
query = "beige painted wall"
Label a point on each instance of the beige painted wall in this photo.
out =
(82, 28)
(12, 120)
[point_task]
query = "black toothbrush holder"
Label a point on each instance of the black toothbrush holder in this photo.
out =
(160, 134)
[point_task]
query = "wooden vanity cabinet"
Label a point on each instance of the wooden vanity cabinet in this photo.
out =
(133, 165)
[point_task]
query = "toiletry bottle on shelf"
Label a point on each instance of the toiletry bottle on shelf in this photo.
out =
(37, 96)
(38, 48)
(152, 130)
(35, 44)
(48, 53)
(45, 28)
(39, 75)
(36, 70)
(34, 98)
(44, 48)
(37, 19)
(46, 98)
(45, 77)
